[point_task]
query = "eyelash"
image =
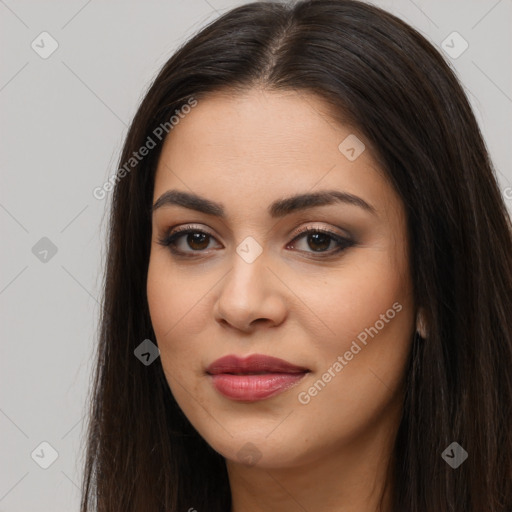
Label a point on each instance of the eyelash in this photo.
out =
(170, 240)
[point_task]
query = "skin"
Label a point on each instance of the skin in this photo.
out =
(293, 302)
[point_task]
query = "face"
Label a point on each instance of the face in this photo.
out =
(321, 282)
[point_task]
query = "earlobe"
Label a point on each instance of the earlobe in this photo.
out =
(421, 324)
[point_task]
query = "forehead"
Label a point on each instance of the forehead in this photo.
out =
(265, 144)
(269, 124)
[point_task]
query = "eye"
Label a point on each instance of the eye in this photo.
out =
(318, 239)
(186, 236)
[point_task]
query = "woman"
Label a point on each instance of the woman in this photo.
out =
(307, 225)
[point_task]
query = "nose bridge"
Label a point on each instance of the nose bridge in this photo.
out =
(249, 291)
(247, 281)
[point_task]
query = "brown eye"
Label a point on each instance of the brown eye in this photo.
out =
(186, 241)
(197, 240)
(319, 240)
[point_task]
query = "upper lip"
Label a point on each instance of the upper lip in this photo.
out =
(255, 363)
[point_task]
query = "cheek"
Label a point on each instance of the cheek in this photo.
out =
(178, 306)
(351, 302)
(175, 300)
(368, 319)
(164, 306)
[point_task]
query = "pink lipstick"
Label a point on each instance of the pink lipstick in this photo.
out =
(253, 378)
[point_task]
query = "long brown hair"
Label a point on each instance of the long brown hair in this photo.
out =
(383, 77)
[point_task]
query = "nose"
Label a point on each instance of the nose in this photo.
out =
(250, 295)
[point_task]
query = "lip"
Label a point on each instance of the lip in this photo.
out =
(253, 378)
(255, 363)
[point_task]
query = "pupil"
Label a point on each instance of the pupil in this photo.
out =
(322, 237)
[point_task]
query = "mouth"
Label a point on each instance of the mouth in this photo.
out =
(253, 378)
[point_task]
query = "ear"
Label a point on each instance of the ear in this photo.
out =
(421, 324)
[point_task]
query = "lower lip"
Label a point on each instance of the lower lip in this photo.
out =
(251, 388)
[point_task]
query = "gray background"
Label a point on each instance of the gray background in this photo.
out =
(63, 120)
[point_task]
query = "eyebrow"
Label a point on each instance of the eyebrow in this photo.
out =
(277, 209)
